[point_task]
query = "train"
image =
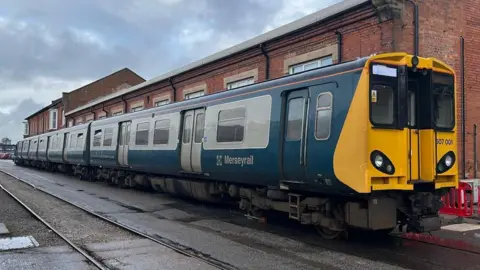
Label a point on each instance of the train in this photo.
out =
(368, 144)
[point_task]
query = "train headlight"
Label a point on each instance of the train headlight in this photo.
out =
(381, 162)
(446, 162)
(378, 161)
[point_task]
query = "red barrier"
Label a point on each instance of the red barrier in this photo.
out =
(459, 202)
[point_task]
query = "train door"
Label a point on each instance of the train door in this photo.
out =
(123, 142)
(66, 145)
(294, 139)
(192, 138)
(320, 147)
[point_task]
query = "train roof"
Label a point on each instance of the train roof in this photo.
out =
(203, 101)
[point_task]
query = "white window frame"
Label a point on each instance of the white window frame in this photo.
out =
(136, 108)
(240, 83)
(117, 113)
(53, 119)
(162, 102)
(195, 94)
(316, 63)
(26, 128)
(63, 117)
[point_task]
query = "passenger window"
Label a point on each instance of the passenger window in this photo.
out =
(107, 138)
(199, 127)
(231, 125)
(141, 137)
(187, 129)
(97, 138)
(80, 141)
(382, 104)
(295, 117)
(73, 142)
(162, 132)
(324, 116)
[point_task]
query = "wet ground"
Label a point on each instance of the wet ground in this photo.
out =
(225, 234)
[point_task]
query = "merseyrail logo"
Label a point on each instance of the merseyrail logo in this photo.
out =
(228, 160)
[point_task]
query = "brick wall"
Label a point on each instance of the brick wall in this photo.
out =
(117, 81)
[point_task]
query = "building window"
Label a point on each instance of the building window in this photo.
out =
(102, 117)
(26, 128)
(231, 125)
(240, 83)
(141, 137)
(63, 117)
(162, 132)
(53, 119)
(137, 108)
(324, 116)
(161, 102)
(322, 62)
(97, 138)
(107, 138)
(70, 123)
(197, 94)
(117, 113)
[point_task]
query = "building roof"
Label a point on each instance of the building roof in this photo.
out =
(313, 18)
(57, 101)
(54, 103)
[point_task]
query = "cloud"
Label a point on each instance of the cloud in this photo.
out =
(58, 46)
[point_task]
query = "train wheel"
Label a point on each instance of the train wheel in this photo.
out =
(326, 233)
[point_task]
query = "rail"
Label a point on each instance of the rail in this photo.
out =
(98, 264)
(159, 240)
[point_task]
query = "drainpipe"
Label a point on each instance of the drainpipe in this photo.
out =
(416, 22)
(339, 45)
(124, 104)
(462, 68)
(174, 89)
(103, 109)
(267, 61)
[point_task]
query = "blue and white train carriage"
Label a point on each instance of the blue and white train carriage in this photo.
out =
(333, 147)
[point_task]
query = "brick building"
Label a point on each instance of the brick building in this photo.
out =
(52, 116)
(342, 32)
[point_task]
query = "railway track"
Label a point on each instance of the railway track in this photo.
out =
(80, 250)
(422, 239)
(186, 251)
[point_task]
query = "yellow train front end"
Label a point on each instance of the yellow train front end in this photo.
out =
(400, 141)
(412, 143)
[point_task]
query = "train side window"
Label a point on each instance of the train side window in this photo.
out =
(295, 118)
(382, 104)
(141, 137)
(199, 127)
(107, 138)
(231, 125)
(162, 131)
(323, 123)
(187, 129)
(97, 138)
(73, 142)
(80, 140)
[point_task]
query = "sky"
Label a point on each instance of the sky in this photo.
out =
(58, 46)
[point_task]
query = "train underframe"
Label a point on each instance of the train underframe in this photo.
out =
(332, 216)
